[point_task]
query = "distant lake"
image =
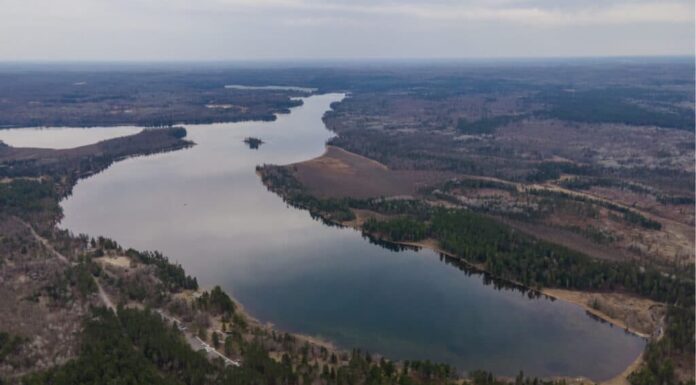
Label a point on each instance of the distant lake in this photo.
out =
(62, 137)
(206, 208)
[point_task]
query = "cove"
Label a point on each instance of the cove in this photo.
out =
(205, 208)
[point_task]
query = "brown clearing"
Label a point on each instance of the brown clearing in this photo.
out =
(119, 261)
(339, 173)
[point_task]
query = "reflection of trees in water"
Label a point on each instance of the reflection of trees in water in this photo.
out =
(611, 325)
(459, 263)
(392, 246)
(487, 278)
(319, 218)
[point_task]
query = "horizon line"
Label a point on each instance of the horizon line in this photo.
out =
(351, 60)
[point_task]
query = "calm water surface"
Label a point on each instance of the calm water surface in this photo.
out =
(63, 137)
(206, 208)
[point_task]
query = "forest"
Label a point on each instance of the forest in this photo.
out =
(131, 96)
(659, 356)
(24, 197)
(617, 105)
(136, 347)
(172, 275)
(513, 256)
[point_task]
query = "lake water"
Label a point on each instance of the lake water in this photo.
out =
(206, 208)
(63, 137)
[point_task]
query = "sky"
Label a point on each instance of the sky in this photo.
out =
(240, 30)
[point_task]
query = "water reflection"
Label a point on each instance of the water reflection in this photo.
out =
(207, 209)
(466, 268)
(62, 137)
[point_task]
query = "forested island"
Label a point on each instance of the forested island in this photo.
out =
(253, 143)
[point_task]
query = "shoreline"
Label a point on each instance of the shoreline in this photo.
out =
(271, 327)
(557, 294)
(361, 215)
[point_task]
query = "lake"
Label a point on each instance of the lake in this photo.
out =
(205, 208)
(63, 137)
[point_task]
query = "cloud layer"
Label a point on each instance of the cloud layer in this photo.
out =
(313, 29)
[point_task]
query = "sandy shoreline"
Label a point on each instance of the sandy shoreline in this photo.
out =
(251, 319)
(569, 296)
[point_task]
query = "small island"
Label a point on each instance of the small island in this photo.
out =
(253, 143)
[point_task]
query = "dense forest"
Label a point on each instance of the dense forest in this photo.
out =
(659, 356)
(514, 256)
(171, 274)
(617, 105)
(25, 197)
(134, 347)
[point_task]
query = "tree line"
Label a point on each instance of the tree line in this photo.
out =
(136, 346)
(511, 255)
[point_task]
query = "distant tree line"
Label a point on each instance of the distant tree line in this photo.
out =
(616, 105)
(628, 214)
(484, 125)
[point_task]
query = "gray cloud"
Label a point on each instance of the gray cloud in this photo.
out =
(277, 29)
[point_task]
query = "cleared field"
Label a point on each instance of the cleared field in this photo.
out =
(339, 173)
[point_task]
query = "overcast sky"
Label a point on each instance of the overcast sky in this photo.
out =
(336, 29)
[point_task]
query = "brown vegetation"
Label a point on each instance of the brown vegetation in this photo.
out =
(40, 304)
(339, 173)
